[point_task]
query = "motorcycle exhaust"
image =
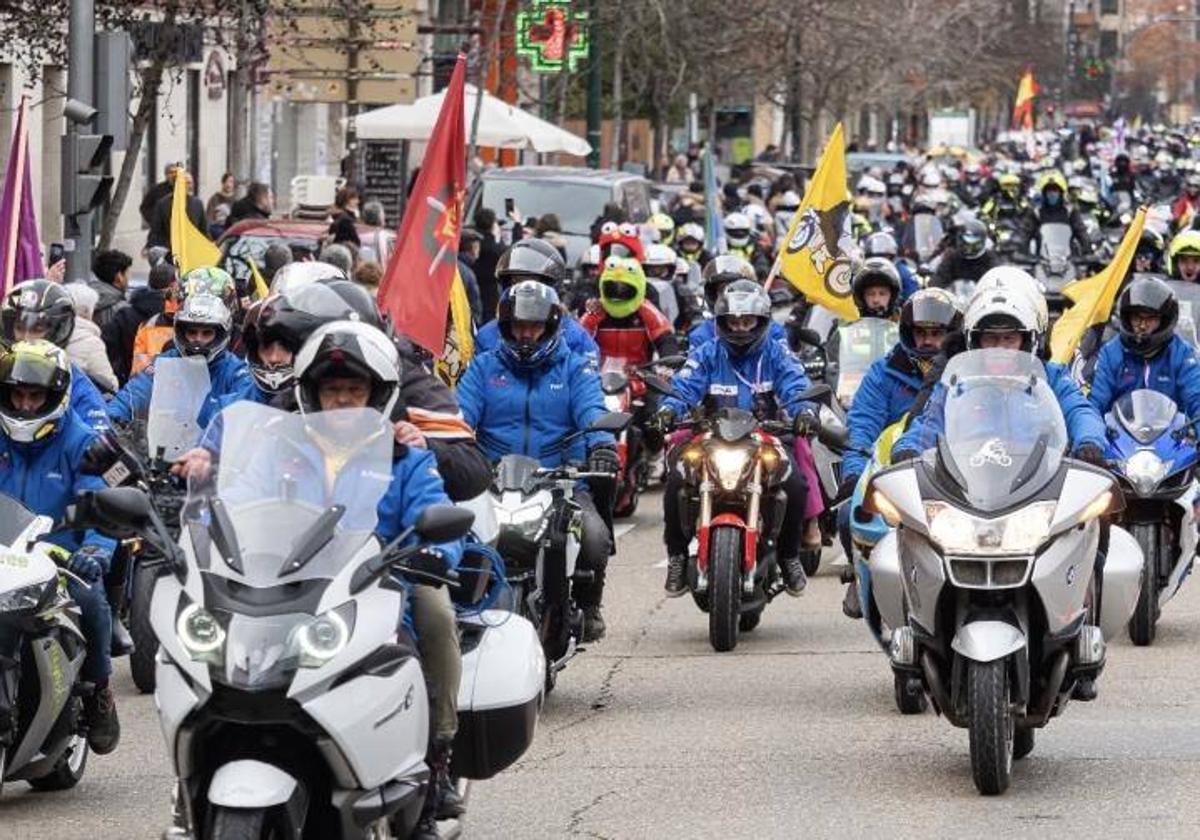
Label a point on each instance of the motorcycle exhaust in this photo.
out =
(937, 691)
(1054, 680)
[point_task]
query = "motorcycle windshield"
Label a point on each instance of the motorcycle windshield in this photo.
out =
(1188, 297)
(180, 388)
(277, 475)
(927, 234)
(1056, 241)
(613, 378)
(1004, 434)
(859, 345)
(515, 472)
(732, 424)
(14, 519)
(1146, 414)
(962, 291)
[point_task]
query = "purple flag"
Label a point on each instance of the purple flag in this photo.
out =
(20, 245)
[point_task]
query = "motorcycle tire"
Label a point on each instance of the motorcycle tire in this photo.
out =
(1023, 742)
(626, 506)
(1142, 624)
(239, 824)
(990, 725)
(142, 660)
(724, 587)
(68, 770)
(810, 559)
(910, 697)
(749, 620)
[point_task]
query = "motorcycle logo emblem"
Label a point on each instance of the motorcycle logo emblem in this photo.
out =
(1072, 571)
(992, 452)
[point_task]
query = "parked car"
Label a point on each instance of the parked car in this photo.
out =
(249, 239)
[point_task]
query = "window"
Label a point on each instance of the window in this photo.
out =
(1108, 45)
(1110, 7)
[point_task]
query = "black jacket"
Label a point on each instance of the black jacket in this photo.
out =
(160, 223)
(118, 322)
(485, 275)
(151, 198)
(244, 208)
(953, 266)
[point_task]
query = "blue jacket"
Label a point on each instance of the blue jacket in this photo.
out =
(908, 281)
(764, 381)
(1174, 373)
(227, 374)
(1084, 424)
(46, 476)
(574, 336)
(706, 331)
(883, 396)
(528, 411)
(86, 400)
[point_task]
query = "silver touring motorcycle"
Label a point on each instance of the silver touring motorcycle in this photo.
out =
(289, 690)
(991, 582)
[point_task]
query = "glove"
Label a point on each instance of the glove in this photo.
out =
(903, 455)
(1092, 454)
(662, 419)
(85, 563)
(846, 488)
(807, 423)
(430, 561)
(603, 459)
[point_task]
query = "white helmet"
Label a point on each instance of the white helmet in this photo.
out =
(296, 274)
(348, 349)
(590, 258)
(1001, 311)
(1011, 278)
(737, 229)
(659, 262)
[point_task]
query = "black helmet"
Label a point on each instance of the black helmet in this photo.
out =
(927, 307)
(41, 306)
(881, 244)
(358, 299)
(1151, 244)
(529, 300)
(531, 259)
(743, 297)
(973, 240)
(877, 271)
(1151, 295)
(721, 271)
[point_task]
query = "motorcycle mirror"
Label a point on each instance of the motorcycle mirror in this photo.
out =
(613, 421)
(809, 336)
(817, 393)
(669, 361)
(117, 511)
(658, 385)
(444, 523)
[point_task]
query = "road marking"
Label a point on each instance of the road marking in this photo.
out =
(623, 529)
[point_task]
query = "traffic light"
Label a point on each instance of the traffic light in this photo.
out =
(85, 186)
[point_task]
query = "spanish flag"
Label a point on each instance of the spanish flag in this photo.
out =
(191, 248)
(1027, 90)
(1094, 296)
(819, 253)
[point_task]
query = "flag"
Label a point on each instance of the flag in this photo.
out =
(714, 230)
(20, 245)
(819, 253)
(1094, 296)
(1027, 90)
(416, 287)
(191, 248)
(460, 344)
(261, 291)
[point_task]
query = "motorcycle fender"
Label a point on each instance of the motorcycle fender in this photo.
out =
(923, 574)
(1122, 581)
(1062, 572)
(886, 581)
(1080, 489)
(175, 700)
(987, 641)
(1187, 547)
(749, 539)
(250, 784)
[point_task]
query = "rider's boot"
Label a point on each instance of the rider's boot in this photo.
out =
(794, 578)
(676, 575)
(851, 607)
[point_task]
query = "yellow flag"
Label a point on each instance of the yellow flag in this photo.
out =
(192, 249)
(460, 341)
(819, 252)
(261, 291)
(1093, 297)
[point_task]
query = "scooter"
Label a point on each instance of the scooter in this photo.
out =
(1152, 448)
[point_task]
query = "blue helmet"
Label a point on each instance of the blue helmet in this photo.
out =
(530, 301)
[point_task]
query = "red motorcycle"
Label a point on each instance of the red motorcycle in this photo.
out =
(625, 389)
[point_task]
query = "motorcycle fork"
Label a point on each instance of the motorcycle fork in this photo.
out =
(750, 549)
(705, 522)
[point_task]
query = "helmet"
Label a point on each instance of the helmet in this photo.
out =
(589, 258)
(665, 226)
(693, 232)
(1149, 295)
(1052, 178)
(1151, 245)
(622, 286)
(214, 281)
(296, 274)
(529, 300)
(999, 311)
(931, 178)
(1185, 244)
(351, 350)
(881, 244)
(1009, 183)
(737, 229)
(722, 270)
(623, 239)
(38, 306)
(203, 310)
(788, 202)
(531, 259)
(683, 269)
(927, 307)
(659, 262)
(1017, 281)
(740, 298)
(876, 271)
(39, 364)
(973, 241)
(360, 304)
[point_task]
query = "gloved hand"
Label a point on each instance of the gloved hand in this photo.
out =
(430, 561)
(1092, 454)
(904, 455)
(603, 459)
(86, 563)
(662, 419)
(846, 488)
(807, 422)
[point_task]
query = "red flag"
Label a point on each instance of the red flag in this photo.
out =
(415, 289)
(1027, 90)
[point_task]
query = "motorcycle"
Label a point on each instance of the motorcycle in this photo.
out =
(624, 386)
(1055, 267)
(1153, 452)
(989, 580)
(289, 689)
(539, 529)
(42, 648)
(963, 290)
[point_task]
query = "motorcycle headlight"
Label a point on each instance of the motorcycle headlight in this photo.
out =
(526, 520)
(27, 598)
(1018, 533)
(201, 634)
(727, 466)
(1145, 471)
(325, 636)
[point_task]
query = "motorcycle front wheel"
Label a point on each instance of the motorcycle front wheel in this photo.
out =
(724, 587)
(145, 644)
(990, 725)
(241, 824)
(1142, 624)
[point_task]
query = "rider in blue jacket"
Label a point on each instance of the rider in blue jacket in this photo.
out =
(742, 369)
(1147, 353)
(537, 259)
(43, 309)
(43, 448)
(203, 326)
(530, 394)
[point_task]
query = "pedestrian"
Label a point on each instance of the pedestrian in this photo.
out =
(344, 231)
(369, 275)
(278, 255)
(345, 203)
(160, 223)
(468, 253)
(373, 213)
(549, 228)
(338, 256)
(156, 304)
(86, 346)
(219, 205)
(110, 312)
(490, 250)
(163, 187)
(257, 203)
(680, 172)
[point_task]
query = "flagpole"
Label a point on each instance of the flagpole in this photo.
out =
(10, 256)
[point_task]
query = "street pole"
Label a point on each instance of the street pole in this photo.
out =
(82, 29)
(594, 102)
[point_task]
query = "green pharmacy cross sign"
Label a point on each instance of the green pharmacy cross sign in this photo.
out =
(551, 34)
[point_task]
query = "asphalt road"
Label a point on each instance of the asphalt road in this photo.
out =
(651, 735)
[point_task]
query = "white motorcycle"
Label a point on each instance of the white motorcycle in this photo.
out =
(289, 688)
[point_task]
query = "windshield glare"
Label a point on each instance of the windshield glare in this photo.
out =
(1146, 414)
(1056, 240)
